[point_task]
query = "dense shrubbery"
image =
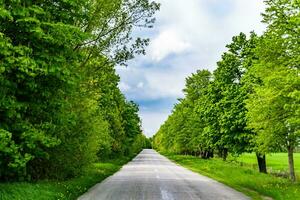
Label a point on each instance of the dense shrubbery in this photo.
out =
(250, 102)
(60, 106)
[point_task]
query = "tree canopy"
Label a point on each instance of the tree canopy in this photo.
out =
(60, 105)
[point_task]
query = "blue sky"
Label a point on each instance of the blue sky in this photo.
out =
(188, 35)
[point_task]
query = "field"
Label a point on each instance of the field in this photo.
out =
(61, 190)
(241, 174)
(277, 162)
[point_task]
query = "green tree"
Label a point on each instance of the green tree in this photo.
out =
(274, 107)
(51, 52)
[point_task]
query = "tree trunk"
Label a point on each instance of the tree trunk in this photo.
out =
(291, 163)
(205, 154)
(225, 154)
(211, 153)
(261, 161)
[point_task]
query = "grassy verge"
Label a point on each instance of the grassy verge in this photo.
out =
(242, 178)
(61, 190)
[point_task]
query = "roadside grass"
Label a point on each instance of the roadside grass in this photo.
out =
(61, 190)
(243, 178)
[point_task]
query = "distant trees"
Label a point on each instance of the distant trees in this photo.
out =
(251, 101)
(212, 116)
(60, 105)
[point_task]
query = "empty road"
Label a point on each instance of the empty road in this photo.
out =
(151, 176)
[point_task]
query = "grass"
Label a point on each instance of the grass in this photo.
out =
(61, 190)
(276, 162)
(243, 177)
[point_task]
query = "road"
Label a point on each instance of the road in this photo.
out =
(151, 176)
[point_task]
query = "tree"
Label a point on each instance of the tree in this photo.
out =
(51, 52)
(181, 132)
(274, 107)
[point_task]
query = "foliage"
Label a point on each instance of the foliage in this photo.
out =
(140, 142)
(274, 106)
(60, 106)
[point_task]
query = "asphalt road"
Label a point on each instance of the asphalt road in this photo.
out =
(151, 176)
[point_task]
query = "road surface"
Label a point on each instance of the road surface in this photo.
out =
(151, 176)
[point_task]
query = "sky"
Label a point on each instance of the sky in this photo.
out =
(188, 35)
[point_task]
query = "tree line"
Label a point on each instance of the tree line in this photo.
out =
(60, 105)
(250, 103)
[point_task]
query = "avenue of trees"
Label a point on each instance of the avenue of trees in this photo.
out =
(250, 103)
(60, 105)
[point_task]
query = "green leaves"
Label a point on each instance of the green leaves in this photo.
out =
(60, 105)
(5, 140)
(273, 108)
(5, 14)
(12, 157)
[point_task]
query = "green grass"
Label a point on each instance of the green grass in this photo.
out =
(275, 162)
(61, 190)
(242, 177)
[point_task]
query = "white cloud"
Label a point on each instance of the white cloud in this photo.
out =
(167, 42)
(153, 84)
(140, 85)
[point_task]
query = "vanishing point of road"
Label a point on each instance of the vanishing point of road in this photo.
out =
(151, 176)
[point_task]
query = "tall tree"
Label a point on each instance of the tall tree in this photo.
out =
(274, 107)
